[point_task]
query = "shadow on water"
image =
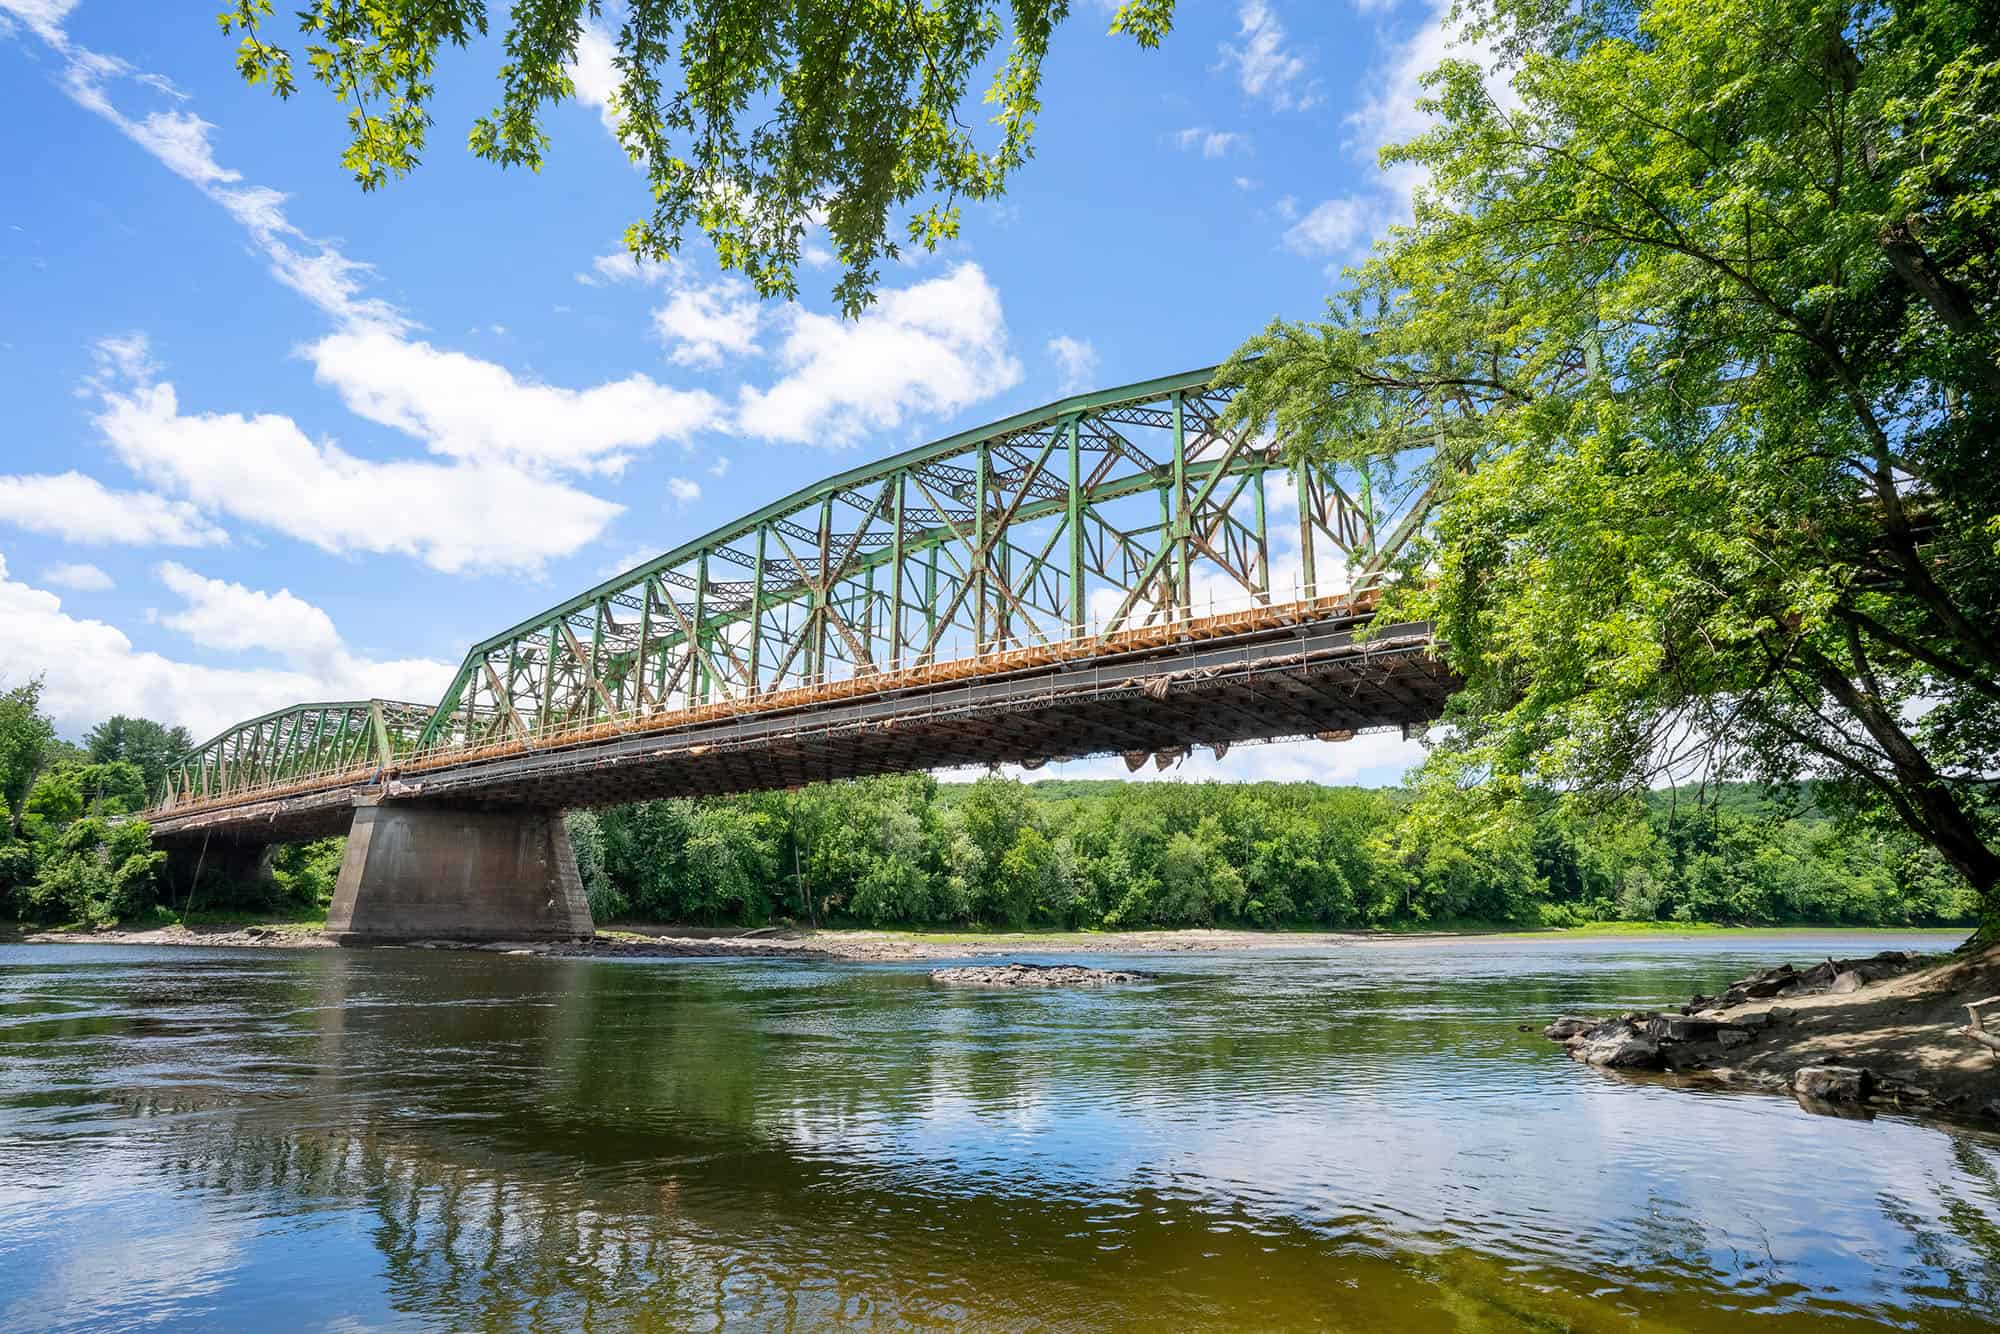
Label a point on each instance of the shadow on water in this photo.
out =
(1352, 1140)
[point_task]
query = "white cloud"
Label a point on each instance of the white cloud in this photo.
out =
(621, 267)
(236, 619)
(458, 405)
(1211, 143)
(179, 139)
(1076, 362)
(719, 468)
(1332, 227)
(703, 325)
(1264, 66)
(1246, 182)
(43, 17)
(630, 560)
(123, 356)
(472, 409)
(1375, 759)
(595, 77)
(265, 470)
(934, 347)
(92, 669)
(314, 268)
(81, 577)
(77, 508)
(684, 491)
(1390, 115)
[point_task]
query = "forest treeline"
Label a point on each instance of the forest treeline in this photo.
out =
(908, 850)
(911, 851)
(67, 856)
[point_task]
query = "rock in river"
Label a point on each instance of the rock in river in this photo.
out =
(1033, 975)
(1833, 1083)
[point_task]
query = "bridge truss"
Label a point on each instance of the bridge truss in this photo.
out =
(1105, 520)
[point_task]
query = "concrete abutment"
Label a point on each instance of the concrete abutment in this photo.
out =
(415, 870)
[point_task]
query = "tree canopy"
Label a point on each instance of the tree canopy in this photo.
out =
(752, 120)
(25, 736)
(141, 742)
(1696, 320)
(910, 851)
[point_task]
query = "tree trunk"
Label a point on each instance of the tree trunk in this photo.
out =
(1988, 933)
(1922, 797)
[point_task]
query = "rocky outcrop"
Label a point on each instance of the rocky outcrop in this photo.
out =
(1807, 1049)
(1643, 1040)
(1834, 976)
(1034, 975)
(1833, 1083)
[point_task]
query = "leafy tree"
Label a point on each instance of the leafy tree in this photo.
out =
(25, 736)
(304, 875)
(586, 837)
(17, 873)
(1198, 886)
(750, 119)
(67, 790)
(731, 863)
(909, 851)
(1698, 324)
(97, 872)
(152, 746)
(644, 854)
(897, 886)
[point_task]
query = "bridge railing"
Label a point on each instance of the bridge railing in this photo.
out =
(305, 746)
(1220, 619)
(1249, 616)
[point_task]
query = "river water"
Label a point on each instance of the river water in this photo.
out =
(1350, 1138)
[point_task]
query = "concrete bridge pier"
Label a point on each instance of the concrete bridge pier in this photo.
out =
(417, 870)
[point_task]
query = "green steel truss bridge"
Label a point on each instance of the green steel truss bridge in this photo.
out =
(1114, 572)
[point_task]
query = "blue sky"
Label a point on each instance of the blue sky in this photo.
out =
(268, 438)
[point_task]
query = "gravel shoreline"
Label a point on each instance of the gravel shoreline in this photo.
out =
(1845, 1037)
(764, 943)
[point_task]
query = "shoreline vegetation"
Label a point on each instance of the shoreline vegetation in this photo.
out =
(912, 853)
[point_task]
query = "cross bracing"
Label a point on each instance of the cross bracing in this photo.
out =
(302, 745)
(1130, 511)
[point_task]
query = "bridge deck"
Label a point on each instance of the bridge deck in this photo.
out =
(1293, 670)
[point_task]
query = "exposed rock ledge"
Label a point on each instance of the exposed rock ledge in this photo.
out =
(1853, 1034)
(1033, 975)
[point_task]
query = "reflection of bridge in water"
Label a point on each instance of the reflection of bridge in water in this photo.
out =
(1102, 575)
(376, 1139)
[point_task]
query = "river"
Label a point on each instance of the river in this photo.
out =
(1348, 1138)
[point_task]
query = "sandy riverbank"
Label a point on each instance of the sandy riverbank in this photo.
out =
(627, 940)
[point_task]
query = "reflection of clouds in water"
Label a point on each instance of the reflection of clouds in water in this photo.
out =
(734, 1138)
(1424, 1135)
(96, 1246)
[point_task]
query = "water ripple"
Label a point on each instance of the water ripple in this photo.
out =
(1353, 1138)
